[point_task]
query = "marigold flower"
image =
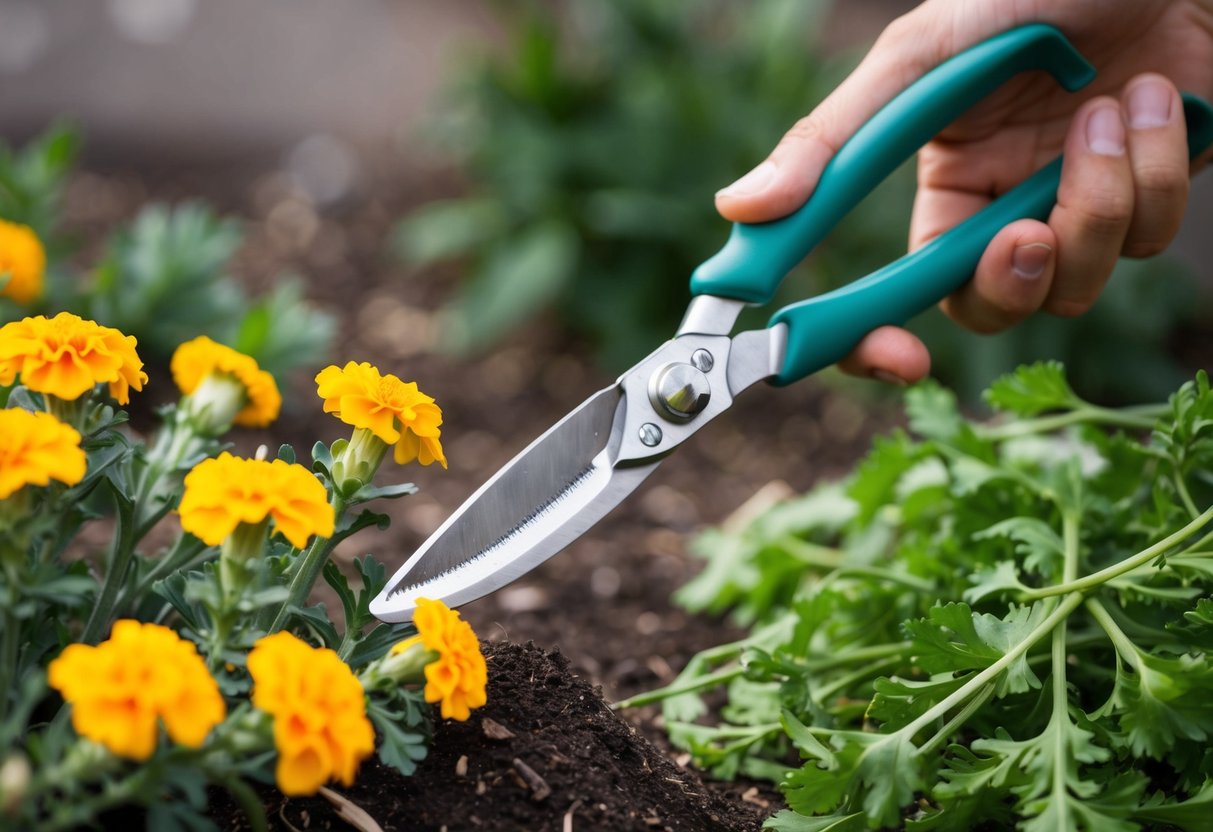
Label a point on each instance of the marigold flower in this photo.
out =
(394, 410)
(458, 676)
(36, 448)
(122, 688)
(223, 492)
(196, 361)
(319, 710)
(66, 356)
(22, 261)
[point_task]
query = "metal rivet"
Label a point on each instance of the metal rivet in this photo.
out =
(702, 360)
(650, 434)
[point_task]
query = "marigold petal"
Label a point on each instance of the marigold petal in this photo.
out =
(36, 448)
(22, 261)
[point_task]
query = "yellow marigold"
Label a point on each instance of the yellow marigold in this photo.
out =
(458, 676)
(194, 361)
(394, 410)
(22, 260)
(36, 448)
(319, 710)
(223, 492)
(122, 688)
(66, 356)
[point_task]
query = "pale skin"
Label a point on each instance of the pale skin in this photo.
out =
(1125, 179)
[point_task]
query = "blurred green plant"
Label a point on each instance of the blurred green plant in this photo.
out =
(163, 277)
(595, 140)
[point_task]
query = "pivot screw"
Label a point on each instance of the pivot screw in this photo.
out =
(702, 360)
(679, 391)
(650, 434)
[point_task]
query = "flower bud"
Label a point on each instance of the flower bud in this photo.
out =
(213, 405)
(360, 458)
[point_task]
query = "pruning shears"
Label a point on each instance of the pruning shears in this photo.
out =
(583, 466)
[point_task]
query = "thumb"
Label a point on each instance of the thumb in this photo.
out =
(779, 185)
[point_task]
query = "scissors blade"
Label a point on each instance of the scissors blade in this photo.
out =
(547, 496)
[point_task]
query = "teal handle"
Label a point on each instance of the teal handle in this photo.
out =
(756, 257)
(823, 329)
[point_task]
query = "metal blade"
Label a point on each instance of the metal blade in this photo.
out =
(548, 495)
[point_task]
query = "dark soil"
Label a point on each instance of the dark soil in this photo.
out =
(545, 753)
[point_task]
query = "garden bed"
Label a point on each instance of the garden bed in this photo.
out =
(604, 603)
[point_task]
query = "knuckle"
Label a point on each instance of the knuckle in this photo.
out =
(1162, 180)
(1106, 213)
(805, 129)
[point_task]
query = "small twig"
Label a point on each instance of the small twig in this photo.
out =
(568, 816)
(350, 812)
(540, 790)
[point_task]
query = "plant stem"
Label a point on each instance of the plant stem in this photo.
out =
(708, 680)
(118, 563)
(307, 569)
(1142, 418)
(961, 717)
(1095, 579)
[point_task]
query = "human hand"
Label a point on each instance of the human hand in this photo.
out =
(1124, 181)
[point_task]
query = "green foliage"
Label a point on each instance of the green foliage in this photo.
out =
(163, 277)
(1010, 628)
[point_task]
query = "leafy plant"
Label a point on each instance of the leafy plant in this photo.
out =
(986, 624)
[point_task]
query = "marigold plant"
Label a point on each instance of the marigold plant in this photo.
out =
(321, 729)
(192, 656)
(455, 670)
(123, 688)
(36, 448)
(22, 263)
(67, 356)
(232, 379)
(224, 492)
(395, 411)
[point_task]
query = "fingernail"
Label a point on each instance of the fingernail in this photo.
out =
(1029, 262)
(889, 378)
(1149, 104)
(753, 182)
(1106, 132)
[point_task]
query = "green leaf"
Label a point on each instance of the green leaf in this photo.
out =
(933, 411)
(789, 821)
(954, 638)
(400, 749)
(1033, 389)
(1040, 547)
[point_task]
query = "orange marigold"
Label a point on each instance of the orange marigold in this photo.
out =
(22, 262)
(394, 410)
(457, 677)
(144, 675)
(197, 360)
(36, 448)
(319, 708)
(223, 492)
(66, 356)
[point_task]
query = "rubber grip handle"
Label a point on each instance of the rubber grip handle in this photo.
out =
(824, 329)
(756, 257)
